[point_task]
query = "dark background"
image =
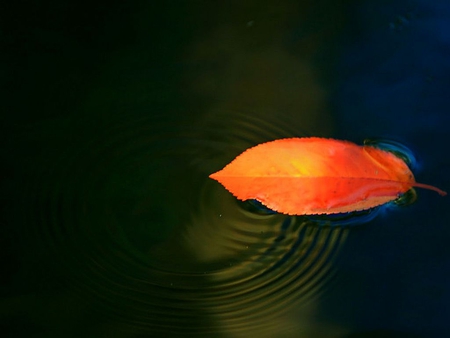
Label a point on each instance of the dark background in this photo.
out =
(114, 113)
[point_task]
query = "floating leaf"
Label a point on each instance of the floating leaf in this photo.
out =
(307, 176)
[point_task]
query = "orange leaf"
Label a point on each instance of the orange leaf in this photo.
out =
(306, 176)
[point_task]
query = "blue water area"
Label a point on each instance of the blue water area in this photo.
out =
(392, 79)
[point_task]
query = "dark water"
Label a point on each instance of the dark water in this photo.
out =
(114, 114)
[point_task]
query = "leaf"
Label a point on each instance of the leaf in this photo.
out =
(306, 176)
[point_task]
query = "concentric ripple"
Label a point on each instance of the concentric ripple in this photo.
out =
(275, 260)
(146, 241)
